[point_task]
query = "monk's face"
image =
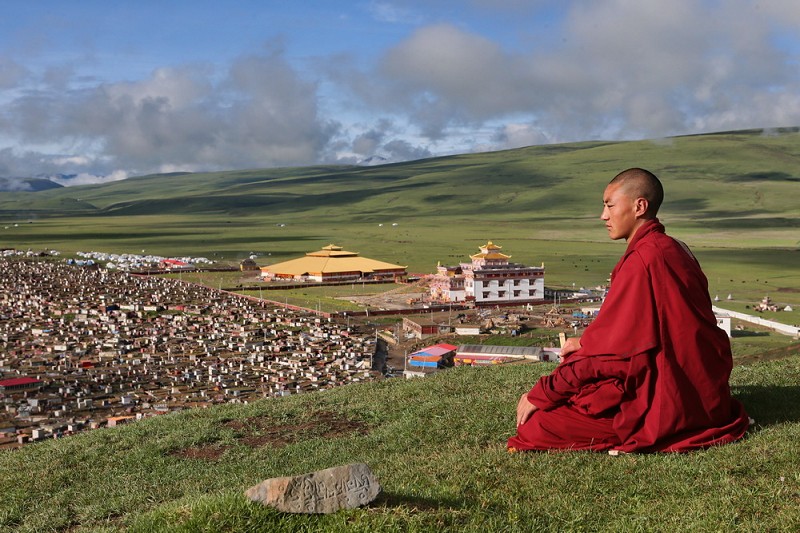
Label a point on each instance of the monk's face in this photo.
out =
(620, 212)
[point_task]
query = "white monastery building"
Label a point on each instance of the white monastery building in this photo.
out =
(488, 279)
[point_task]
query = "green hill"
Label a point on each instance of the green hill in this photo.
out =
(437, 445)
(733, 188)
(731, 196)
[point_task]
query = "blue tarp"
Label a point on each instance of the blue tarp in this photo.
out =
(432, 364)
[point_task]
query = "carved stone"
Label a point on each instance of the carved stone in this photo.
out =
(324, 491)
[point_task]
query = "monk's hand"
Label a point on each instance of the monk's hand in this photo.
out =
(571, 345)
(524, 409)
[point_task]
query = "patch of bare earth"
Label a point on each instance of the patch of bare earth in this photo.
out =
(206, 453)
(257, 432)
(770, 355)
(788, 289)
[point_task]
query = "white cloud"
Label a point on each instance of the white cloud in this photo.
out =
(515, 135)
(623, 69)
(90, 179)
(607, 69)
(392, 12)
(367, 143)
(402, 150)
(261, 113)
(78, 160)
(11, 72)
(447, 68)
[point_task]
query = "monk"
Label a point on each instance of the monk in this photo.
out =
(650, 373)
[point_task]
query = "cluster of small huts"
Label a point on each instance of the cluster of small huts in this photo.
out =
(81, 347)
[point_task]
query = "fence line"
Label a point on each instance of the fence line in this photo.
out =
(777, 326)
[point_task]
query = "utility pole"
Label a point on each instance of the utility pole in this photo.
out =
(372, 362)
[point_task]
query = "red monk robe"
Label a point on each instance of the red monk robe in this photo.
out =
(652, 371)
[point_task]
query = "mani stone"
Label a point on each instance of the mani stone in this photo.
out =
(324, 491)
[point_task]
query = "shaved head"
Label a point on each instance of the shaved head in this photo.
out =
(641, 183)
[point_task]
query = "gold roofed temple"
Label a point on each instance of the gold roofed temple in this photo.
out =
(332, 263)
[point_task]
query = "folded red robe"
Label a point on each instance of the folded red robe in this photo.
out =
(652, 372)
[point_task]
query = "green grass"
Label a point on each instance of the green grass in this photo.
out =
(438, 448)
(437, 445)
(326, 298)
(736, 188)
(730, 196)
(307, 298)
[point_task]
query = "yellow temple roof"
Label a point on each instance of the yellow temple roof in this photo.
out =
(492, 252)
(330, 259)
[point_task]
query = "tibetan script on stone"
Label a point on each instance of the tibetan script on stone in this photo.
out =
(323, 491)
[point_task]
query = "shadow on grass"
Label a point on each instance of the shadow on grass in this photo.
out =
(770, 405)
(769, 355)
(746, 333)
(763, 176)
(418, 503)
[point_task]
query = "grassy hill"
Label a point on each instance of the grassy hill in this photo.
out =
(437, 445)
(731, 196)
(438, 448)
(732, 189)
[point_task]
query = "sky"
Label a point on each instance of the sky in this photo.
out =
(102, 91)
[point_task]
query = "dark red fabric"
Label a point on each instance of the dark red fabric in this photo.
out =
(567, 428)
(653, 362)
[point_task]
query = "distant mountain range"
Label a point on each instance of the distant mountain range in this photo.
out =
(373, 160)
(27, 184)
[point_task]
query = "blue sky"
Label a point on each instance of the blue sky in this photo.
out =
(108, 90)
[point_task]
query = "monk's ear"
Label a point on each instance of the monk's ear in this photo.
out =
(641, 206)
